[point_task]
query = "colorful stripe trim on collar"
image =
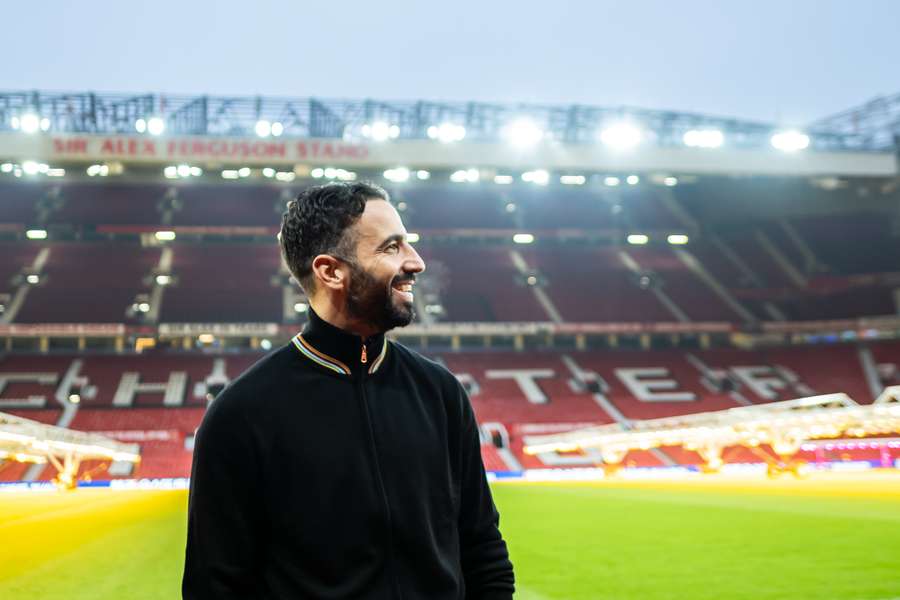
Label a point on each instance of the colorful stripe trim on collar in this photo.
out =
(377, 362)
(332, 363)
(317, 357)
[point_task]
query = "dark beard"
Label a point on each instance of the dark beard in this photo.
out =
(369, 300)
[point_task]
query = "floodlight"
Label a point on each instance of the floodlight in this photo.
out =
(465, 176)
(670, 181)
(380, 131)
(244, 171)
(611, 181)
(423, 175)
(621, 136)
(6, 168)
(29, 123)
(163, 279)
(155, 126)
(33, 279)
(230, 174)
(523, 133)
(31, 167)
(183, 170)
(398, 175)
(317, 173)
(268, 172)
(503, 179)
(263, 128)
(165, 236)
(637, 239)
(36, 234)
(140, 125)
(447, 132)
(572, 179)
(703, 138)
(537, 177)
(677, 239)
(632, 180)
(523, 238)
(790, 141)
(277, 129)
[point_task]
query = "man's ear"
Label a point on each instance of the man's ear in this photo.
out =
(329, 272)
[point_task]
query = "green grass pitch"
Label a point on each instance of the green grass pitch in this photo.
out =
(644, 540)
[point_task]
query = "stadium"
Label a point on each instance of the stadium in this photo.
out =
(679, 332)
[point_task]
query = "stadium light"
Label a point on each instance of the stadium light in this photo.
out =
(263, 128)
(30, 167)
(98, 170)
(317, 173)
(422, 175)
(503, 179)
(230, 174)
(620, 136)
(611, 181)
(632, 180)
(537, 177)
(156, 126)
(572, 179)
(36, 234)
(6, 168)
(446, 132)
(29, 123)
(465, 176)
(397, 175)
(703, 138)
(267, 172)
(412, 238)
(677, 239)
(381, 131)
(523, 133)
(244, 172)
(790, 141)
(523, 238)
(670, 181)
(285, 176)
(637, 239)
(165, 236)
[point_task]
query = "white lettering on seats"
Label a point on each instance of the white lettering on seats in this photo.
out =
(526, 379)
(653, 384)
(172, 390)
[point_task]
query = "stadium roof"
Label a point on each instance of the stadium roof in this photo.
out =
(234, 116)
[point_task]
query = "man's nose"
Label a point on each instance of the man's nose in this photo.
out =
(414, 262)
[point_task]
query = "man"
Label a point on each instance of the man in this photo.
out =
(344, 465)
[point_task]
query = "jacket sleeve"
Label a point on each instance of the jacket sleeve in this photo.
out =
(223, 513)
(486, 567)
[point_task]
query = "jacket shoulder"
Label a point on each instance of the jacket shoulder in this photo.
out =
(433, 369)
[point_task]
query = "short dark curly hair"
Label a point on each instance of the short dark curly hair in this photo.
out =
(316, 222)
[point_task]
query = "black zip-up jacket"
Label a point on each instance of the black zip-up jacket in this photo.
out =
(342, 468)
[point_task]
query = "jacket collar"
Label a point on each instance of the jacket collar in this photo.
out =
(339, 350)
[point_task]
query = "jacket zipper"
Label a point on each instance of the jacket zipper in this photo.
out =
(361, 384)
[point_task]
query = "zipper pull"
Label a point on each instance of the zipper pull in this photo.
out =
(363, 358)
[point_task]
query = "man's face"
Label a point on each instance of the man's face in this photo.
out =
(381, 280)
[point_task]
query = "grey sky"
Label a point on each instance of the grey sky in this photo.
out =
(789, 61)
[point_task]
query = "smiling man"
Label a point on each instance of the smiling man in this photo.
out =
(344, 465)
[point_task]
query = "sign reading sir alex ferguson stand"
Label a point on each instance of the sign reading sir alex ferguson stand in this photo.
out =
(426, 154)
(206, 149)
